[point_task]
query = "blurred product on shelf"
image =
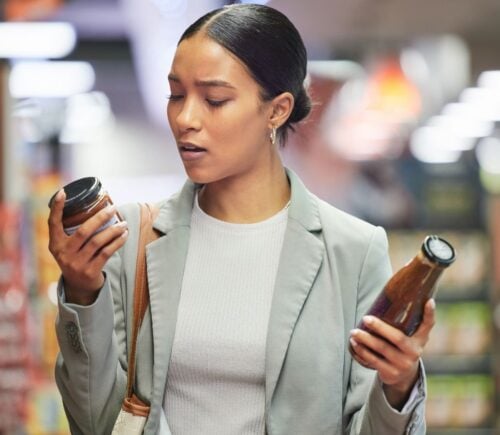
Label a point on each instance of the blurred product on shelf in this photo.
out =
(45, 414)
(15, 367)
(18, 10)
(459, 401)
(462, 328)
(44, 309)
(28, 347)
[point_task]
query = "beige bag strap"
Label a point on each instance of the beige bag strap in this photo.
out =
(141, 291)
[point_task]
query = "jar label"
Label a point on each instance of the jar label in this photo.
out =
(114, 220)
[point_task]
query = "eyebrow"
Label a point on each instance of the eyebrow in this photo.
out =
(204, 83)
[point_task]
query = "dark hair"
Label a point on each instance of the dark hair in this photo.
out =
(269, 45)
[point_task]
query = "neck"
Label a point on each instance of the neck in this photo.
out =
(247, 198)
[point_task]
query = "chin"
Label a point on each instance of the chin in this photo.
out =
(199, 176)
(206, 176)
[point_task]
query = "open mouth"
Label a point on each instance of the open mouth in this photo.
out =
(191, 148)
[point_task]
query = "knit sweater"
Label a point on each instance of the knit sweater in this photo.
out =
(216, 377)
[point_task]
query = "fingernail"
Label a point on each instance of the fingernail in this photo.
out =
(111, 208)
(124, 234)
(353, 342)
(355, 331)
(121, 224)
(369, 320)
(432, 303)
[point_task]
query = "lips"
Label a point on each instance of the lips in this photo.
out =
(191, 151)
(189, 147)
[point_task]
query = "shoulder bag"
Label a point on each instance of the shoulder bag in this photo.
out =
(134, 411)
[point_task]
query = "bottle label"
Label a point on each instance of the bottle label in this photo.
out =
(114, 220)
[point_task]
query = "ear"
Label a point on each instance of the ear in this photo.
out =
(281, 108)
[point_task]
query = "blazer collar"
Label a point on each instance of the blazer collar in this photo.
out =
(303, 206)
(177, 210)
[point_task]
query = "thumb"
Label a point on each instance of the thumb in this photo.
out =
(429, 319)
(56, 215)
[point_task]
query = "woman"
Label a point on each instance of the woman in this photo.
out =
(255, 284)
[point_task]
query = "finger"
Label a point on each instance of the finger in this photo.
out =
(98, 241)
(91, 225)
(428, 321)
(90, 268)
(379, 346)
(56, 230)
(389, 333)
(354, 347)
(107, 251)
(374, 361)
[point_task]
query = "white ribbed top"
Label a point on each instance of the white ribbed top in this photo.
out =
(216, 379)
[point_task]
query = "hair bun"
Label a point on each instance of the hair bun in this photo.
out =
(302, 106)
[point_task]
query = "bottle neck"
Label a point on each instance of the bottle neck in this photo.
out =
(425, 260)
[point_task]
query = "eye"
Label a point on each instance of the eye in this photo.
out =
(173, 97)
(216, 103)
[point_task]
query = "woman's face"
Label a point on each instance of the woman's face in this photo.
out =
(220, 123)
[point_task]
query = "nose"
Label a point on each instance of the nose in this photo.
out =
(188, 115)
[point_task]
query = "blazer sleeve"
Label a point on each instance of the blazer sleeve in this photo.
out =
(373, 415)
(91, 366)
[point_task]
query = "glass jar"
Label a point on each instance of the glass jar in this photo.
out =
(84, 198)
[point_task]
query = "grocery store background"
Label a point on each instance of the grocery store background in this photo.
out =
(405, 134)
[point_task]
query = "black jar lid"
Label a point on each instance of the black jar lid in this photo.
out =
(80, 194)
(438, 250)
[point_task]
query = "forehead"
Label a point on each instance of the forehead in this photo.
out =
(200, 57)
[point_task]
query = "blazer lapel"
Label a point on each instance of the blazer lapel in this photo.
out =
(301, 258)
(165, 259)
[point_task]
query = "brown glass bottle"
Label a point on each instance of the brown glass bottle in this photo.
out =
(401, 302)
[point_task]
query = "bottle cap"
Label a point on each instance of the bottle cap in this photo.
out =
(79, 194)
(438, 250)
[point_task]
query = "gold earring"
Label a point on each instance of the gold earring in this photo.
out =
(272, 136)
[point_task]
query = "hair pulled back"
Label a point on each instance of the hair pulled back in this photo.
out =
(269, 45)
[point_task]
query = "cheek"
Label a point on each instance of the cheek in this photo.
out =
(241, 124)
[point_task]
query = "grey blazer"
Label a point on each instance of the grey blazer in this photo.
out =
(331, 267)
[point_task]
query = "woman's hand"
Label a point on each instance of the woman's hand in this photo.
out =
(82, 256)
(393, 354)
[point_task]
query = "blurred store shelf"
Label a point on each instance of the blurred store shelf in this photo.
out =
(462, 432)
(458, 364)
